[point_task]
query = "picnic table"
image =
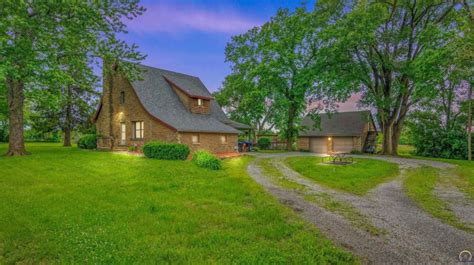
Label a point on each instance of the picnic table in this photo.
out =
(341, 158)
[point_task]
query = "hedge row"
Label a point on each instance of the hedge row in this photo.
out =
(166, 151)
(264, 143)
(88, 141)
(206, 160)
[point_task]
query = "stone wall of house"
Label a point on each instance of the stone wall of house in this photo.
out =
(109, 126)
(209, 141)
(127, 112)
(303, 143)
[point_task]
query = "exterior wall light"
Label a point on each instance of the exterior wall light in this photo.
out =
(329, 138)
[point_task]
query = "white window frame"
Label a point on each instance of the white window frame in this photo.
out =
(138, 131)
(223, 139)
(123, 133)
(195, 139)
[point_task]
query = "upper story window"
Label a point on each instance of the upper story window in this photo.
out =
(200, 102)
(122, 97)
(138, 129)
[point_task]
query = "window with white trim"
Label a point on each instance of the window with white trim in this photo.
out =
(223, 139)
(138, 129)
(195, 139)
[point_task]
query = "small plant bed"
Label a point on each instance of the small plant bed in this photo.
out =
(357, 178)
(207, 160)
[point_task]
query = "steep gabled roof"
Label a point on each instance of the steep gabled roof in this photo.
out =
(337, 124)
(160, 100)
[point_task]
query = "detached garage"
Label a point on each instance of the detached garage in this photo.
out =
(341, 132)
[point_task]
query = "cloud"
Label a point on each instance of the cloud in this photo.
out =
(175, 18)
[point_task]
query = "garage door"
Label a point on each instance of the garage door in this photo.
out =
(318, 145)
(342, 144)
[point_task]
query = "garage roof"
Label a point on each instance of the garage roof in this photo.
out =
(337, 124)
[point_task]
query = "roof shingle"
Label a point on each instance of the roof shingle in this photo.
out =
(161, 101)
(337, 124)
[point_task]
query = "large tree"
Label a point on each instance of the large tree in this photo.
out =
(3, 114)
(31, 38)
(466, 55)
(247, 102)
(277, 64)
(394, 52)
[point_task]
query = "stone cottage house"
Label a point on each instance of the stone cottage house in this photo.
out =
(165, 106)
(340, 132)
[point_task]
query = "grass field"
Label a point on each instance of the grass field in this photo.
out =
(464, 169)
(65, 205)
(357, 178)
(419, 185)
(272, 151)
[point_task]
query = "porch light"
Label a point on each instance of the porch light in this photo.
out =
(329, 138)
(121, 116)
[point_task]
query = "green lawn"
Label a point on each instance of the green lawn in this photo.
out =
(464, 169)
(357, 178)
(65, 205)
(419, 185)
(272, 151)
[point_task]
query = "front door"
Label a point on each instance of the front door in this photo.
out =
(123, 134)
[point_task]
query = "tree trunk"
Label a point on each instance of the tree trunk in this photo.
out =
(67, 137)
(68, 119)
(16, 143)
(290, 135)
(469, 125)
(396, 133)
(387, 139)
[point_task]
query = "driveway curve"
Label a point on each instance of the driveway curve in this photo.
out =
(414, 237)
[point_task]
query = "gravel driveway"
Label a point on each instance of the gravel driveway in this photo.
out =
(413, 235)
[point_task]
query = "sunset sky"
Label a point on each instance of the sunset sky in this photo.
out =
(190, 36)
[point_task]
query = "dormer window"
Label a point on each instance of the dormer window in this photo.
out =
(200, 102)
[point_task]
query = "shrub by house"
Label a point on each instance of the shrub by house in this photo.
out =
(206, 160)
(166, 151)
(88, 141)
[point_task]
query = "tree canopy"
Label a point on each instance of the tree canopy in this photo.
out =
(394, 52)
(274, 74)
(51, 45)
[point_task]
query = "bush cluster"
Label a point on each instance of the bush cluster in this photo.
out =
(206, 160)
(264, 143)
(432, 138)
(88, 141)
(166, 151)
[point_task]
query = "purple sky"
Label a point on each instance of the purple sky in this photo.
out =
(190, 36)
